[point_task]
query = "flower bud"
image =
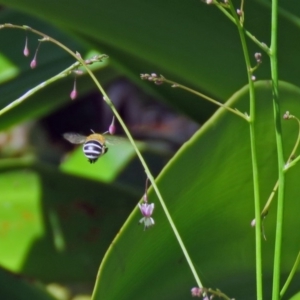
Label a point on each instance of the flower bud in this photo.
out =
(286, 115)
(258, 57)
(73, 94)
(26, 50)
(196, 292)
(78, 72)
(144, 76)
(158, 82)
(33, 63)
(112, 127)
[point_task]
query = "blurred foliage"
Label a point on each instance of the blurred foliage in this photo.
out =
(209, 191)
(60, 215)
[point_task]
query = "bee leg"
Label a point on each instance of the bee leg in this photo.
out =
(92, 160)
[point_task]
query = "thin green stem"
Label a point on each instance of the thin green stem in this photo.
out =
(286, 167)
(258, 247)
(261, 45)
(291, 164)
(270, 199)
(234, 111)
(291, 275)
(278, 134)
(111, 105)
(292, 18)
(29, 93)
(177, 235)
(296, 144)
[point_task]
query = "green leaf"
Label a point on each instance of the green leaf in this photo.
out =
(55, 226)
(107, 167)
(295, 297)
(208, 189)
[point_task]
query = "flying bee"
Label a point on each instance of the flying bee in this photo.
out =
(94, 145)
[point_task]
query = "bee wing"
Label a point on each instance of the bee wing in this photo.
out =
(112, 140)
(74, 138)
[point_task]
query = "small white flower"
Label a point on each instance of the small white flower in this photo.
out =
(147, 210)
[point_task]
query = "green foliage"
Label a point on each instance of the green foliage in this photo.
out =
(56, 223)
(209, 191)
(51, 220)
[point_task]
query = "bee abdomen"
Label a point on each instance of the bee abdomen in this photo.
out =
(93, 150)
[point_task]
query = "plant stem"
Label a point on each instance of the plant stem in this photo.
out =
(111, 105)
(296, 144)
(291, 17)
(234, 111)
(39, 87)
(251, 36)
(287, 165)
(280, 157)
(291, 275)
(258, 248)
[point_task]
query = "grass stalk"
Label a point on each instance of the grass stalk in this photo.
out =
(255, 173)
(280, 157)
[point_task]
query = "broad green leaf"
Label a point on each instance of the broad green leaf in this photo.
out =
(20, 215)
(296, 296)
(8, 69)
(208, 190)
(54, 226)
(120, 166)
(107, 167)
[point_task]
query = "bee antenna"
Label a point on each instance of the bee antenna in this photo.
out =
(92, 131)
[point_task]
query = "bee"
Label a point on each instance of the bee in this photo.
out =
(94, 145)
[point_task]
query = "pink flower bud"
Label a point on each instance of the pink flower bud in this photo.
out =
(73, 94)
(158, 82)
(196, 292)
(33, 63)
(26, 50)
(112, 127)
(78, 72)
